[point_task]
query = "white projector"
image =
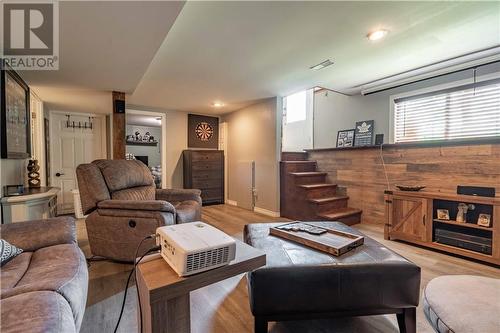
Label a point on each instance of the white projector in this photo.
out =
(190, 248)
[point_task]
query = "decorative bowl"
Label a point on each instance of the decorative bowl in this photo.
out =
(412, 188)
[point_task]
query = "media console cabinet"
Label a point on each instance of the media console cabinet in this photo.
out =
(413, 217)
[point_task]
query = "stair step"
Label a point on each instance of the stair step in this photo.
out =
(298, 166)
(317, 186)
(308, 174)
(287, 156)
(320, 201)
(299, 162)
(341, 213)
(318, 190)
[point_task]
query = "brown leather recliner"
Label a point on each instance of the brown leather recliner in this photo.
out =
(125, 207)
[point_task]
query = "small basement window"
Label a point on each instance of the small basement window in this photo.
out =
(466, 112)
(295, 107)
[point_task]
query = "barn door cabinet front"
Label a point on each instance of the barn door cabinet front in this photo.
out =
(407, 218)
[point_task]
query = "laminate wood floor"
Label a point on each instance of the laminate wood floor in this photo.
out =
(223, 307)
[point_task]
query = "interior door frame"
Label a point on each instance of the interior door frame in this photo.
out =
(51, 127)
(163, 154)
(38, 135)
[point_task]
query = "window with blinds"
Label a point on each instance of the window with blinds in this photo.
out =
(467, 112)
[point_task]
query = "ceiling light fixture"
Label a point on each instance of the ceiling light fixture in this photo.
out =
(321, 65)
(217, 104)
(377, 34)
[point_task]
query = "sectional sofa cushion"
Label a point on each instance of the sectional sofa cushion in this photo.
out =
(14, 270)
(59, 268)
(37, 312)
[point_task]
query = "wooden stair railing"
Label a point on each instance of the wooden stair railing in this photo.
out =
(307, 196)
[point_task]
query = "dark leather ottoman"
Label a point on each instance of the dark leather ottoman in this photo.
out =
(301, 283)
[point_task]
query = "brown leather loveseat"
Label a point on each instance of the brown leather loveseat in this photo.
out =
(125, 206)
(43, 289)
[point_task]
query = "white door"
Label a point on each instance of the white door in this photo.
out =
(71, 146)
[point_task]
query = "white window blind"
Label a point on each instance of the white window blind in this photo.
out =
(467, 112)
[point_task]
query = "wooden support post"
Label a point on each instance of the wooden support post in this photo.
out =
(118, 125)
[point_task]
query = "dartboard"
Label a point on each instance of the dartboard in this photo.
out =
(204, 131)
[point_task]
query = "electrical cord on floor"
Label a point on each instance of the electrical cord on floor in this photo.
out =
(156, 248)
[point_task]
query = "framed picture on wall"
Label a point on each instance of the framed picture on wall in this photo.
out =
(203, 131)
(345, 138)
(15, 130)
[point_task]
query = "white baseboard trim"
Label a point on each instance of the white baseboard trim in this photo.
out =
(231, 202)
(266, 212)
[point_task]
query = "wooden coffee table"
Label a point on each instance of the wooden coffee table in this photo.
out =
(165, 296)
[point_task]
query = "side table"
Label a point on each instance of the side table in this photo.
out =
(165, 296)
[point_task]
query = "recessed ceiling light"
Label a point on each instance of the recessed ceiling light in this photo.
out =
(321, 65)
(377, 34)
(217, 104)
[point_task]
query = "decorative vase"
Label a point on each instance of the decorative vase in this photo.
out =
(463, 208)
(33, 174)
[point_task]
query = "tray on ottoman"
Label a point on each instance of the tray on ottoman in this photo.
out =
(333, 241)
(299, 282)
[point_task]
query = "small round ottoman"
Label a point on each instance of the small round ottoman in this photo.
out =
(463, 303)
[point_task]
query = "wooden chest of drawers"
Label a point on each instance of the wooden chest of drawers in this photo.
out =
(204, 170)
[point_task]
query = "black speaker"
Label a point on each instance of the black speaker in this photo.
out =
(379, 139)
(119, 106)
(476, 190)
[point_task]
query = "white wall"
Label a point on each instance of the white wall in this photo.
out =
(254, 135)
(13, 172)
(153, 152)
(334, 112)
(337, 112)
(176, 142)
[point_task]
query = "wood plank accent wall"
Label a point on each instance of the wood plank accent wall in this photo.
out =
(118, 128)
(440, 168)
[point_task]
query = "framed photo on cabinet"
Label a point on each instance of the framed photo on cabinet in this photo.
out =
(484, 220)
(15, 129)
(443, 214)
(364, 133)
(345, 138)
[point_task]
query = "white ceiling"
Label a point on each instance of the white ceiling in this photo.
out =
(238, 52)
(104, 46)
(241, 52)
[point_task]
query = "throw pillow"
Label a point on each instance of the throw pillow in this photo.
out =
(7, 251)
